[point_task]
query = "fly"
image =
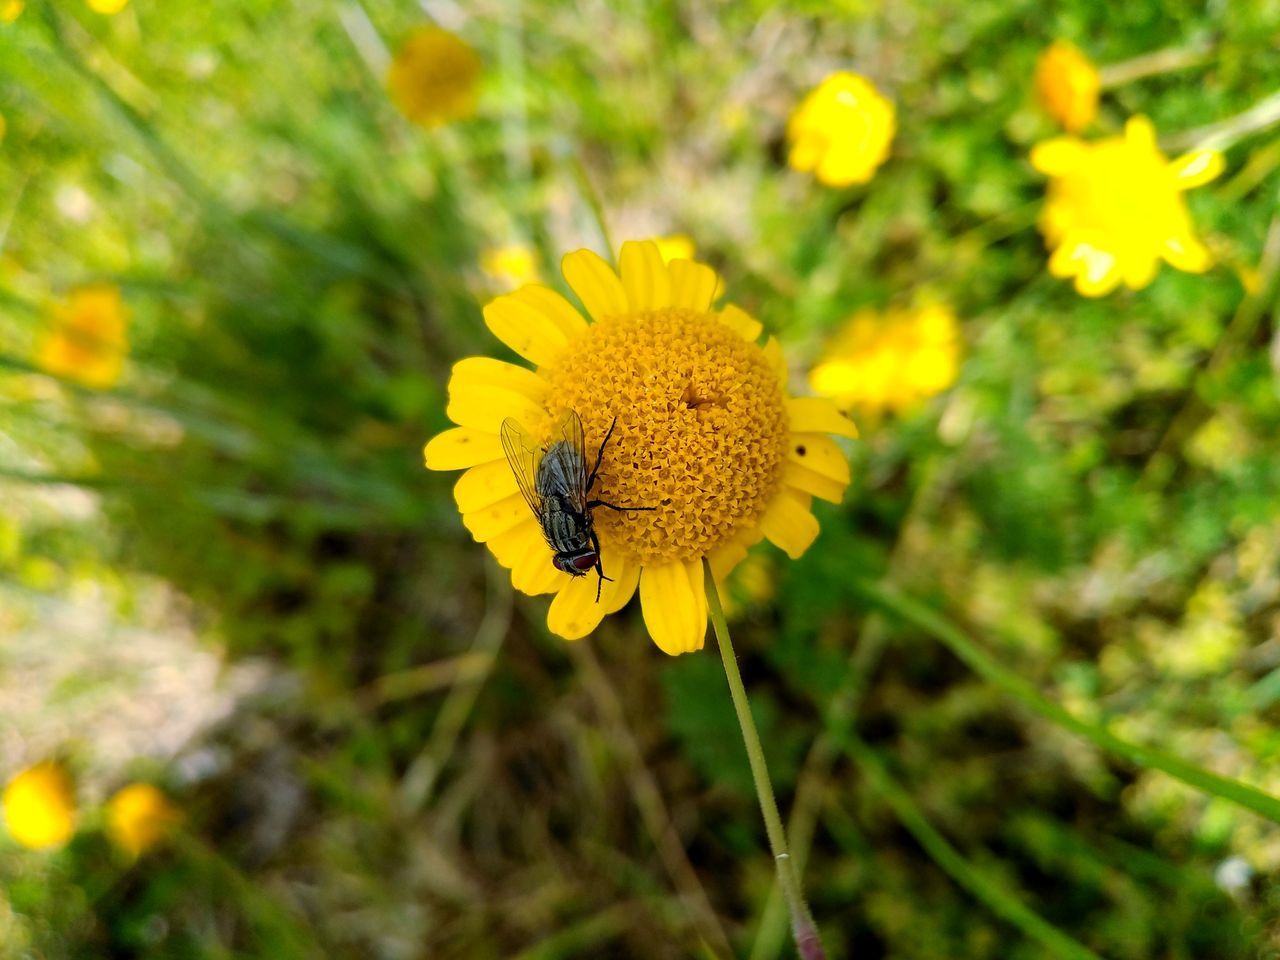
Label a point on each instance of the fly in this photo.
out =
(556, 485)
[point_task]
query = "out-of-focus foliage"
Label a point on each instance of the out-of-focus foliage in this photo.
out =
(1095, 499)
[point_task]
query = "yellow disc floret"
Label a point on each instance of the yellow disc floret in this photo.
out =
(701, 434)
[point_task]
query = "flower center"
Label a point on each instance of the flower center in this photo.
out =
(701, 435)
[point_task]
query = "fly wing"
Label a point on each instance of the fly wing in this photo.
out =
(568, 430)
(524, 455)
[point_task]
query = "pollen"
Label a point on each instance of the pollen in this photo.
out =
(701, 435)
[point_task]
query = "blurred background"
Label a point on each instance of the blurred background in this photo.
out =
(234, 273)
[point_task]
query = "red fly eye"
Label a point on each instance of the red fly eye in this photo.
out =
(586, 561)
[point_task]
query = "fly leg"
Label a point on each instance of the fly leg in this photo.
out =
(595, 543)
(591, 481)
(613, 506)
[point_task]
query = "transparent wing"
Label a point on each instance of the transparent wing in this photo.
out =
(568, 429)
(524, 455)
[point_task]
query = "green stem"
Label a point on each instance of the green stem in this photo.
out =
(984, 888)
(932, 623)
(802, 925)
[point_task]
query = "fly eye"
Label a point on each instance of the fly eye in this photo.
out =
(586, 561)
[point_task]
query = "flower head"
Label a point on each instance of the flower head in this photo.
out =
(513, 264)
(706, 439)
(88, 338)
(1067, 85)
(841, 130)
(10, 10)
(434, 77)
(138, 817)
(108, 7)
(891, 360)
(1115, 208)
(40, 806)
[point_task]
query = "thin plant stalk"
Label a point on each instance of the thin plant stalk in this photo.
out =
(802, 925)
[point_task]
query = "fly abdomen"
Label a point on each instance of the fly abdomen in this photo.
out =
(565, 529)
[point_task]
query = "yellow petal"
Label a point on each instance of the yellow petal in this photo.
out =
(818, 415)
(738, 320)
(725, 557)
(552, 306)
(497, 518)
(595, 283)
(644, 275)
(535, 573)
(1139, 271)
(574, 612)
(1140, 132)
(693, 285)
(1196, 168)
(509, 547)
(460, 448)
(819, 453)
(813, 483)
(486, 372)
(484, 485)
(789, 524)
(525, 329)
(674, 601)
(773, 353)
(1058, 156)
(1187, 253)
(616, 595)
(484, 408)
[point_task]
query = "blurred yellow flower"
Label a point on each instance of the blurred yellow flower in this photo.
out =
(678, 246)
(1115, 208)
(434, 77)
(512, 265)
(138, 817)
(88, 338)
(891, 360)
(841, 131)
(706, 435)
(10, 10)
(1067, 85)
(107, 6)
(40, 806)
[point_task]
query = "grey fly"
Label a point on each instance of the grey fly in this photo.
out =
(557, 487)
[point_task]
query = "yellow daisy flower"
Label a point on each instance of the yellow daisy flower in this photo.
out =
(513, 264)
(138, 817)
(1115, 208)
(107, 6)
(10, 10)
(841, 131)
(890, 361)
(88, 339)
(1067, 85)
(706, 438)
(40, 806)
(434, 77)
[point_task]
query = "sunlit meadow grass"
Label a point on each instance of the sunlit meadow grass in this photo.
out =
(1018, 698)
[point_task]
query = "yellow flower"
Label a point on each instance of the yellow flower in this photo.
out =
(10, 10)
(107, 6)
(513, 264)
(706, 436)
(890, 361)
(40, 806)
(88, 339)
(434, 78)
(1115, 208)
(138, 817)
(1067, 85)
(841, 130)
